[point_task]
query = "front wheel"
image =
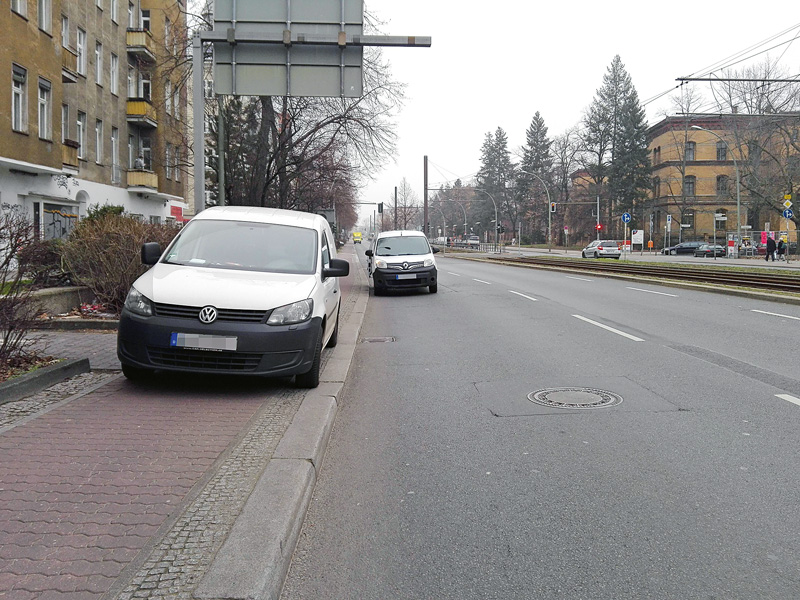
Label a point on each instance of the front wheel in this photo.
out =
(434, 288)
(673, 252)
(334, 339)
(311, 378)
(583, 254)
(135, 373)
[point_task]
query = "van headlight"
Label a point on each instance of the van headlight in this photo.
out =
(380, 263)
(138, 303)
(428, 262)
(296, 312)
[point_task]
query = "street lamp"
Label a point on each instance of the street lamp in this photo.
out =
(496, 221)
(738, 188)
(549, 212)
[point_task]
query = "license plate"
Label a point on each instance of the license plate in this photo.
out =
(410, 276)
(200, 341)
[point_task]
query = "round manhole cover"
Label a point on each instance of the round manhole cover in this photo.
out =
(576, 398)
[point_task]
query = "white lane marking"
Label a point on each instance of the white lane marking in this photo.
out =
(453, 274)
(578, 278)
(482, 281)
(788, 398)
(523, 295)
(652, 292)
(763, 312)
(611, 329)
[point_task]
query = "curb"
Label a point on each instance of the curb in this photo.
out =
(77, 324)
(254, 560)
(36, 381)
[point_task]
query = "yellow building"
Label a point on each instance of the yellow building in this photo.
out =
(96, 112)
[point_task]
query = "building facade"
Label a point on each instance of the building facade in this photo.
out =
(96, 109)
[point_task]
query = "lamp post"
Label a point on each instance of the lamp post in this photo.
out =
(738, 188)
(496, 222)
(549, 213)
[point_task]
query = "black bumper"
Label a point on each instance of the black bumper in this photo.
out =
(145, 342)
(394, 279)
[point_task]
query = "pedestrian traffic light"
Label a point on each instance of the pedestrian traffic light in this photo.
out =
(380, 208)
(552, 207)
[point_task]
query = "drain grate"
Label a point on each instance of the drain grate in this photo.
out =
(575, 398)
(374, 340)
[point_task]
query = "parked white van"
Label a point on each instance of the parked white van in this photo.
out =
(402, 259)
(241, 290)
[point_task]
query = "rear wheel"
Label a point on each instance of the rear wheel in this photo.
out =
(311, 378)
(595, 255)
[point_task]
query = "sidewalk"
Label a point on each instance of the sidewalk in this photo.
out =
(185, 487)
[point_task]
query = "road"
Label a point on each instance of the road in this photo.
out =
(443, 480)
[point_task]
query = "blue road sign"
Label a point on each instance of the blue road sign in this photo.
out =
(626, 217)
(788, 213)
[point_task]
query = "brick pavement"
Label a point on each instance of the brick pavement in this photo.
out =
(126, 491)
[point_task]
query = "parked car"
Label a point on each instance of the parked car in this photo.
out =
(473, 241)
(682, 248)
(710, 250)
(602, 249)
(402, 259)
(240, 290)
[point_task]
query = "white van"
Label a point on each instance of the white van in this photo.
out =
(241, 290)
(402, 259)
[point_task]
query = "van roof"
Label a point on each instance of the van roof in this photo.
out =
(259, 214)
(401, 233)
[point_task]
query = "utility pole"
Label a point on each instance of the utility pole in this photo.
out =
(395, 208)
(425, 201)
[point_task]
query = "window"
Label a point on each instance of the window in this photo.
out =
(131, 18)
(45, 14)
(45, 111)
(98, 63)
(144, 86)
(114, 12)
(20, 7)
(176, 104)
(168, 96)
(177, 163)
(722, 185)
(64, 123)
(689, 185)
(81, 51)
(656, 187)
(688, 219)
(64, 31)
(131, 82)
(722, 151)
(146, 20)
(131, 151)
(116, 172)
(167, 33)
(146, 153)
(98, 141)
(689, 154)
(168, 161)
(155, 220)
(99, 4)
(81, 124)
(114, 74)
(19, 98)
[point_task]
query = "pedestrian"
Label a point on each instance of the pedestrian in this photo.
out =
(139, 162)
(781, 249)
(770, 249)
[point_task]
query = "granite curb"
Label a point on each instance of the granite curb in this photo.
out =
(36, 381)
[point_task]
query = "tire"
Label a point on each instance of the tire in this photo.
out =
(135, 373)
(310, 379)
(583, 254)
(434, 288)
(595, 255)
(673, 252)
(378, 291)
(334, 339)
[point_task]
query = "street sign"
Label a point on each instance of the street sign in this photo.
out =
(787, 196)
(637, 236)
(566, 229)
(788, 213)
(626, 217)
(787, 204)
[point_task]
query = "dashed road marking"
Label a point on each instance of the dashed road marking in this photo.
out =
(764, 312)
(523, 295)
(453, 274)
(611, 329)
(481, 281)
(788, 398)
(578, 278)
(652, 292)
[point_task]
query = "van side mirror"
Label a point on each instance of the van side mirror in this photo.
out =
(368, 253)
(151, 252)
(338, 268)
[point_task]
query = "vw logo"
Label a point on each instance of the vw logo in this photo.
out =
(405, 266)
(208, 314)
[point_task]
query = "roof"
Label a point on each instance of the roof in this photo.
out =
(401, 233)
(259, 214)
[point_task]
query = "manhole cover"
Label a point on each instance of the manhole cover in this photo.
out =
(576, 398)
(373, 340)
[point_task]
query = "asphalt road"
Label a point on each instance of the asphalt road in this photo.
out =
(443, 480)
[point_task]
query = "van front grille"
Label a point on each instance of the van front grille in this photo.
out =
(204, 359)
(223, 314)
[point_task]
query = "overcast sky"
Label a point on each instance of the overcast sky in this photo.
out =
(494, 64)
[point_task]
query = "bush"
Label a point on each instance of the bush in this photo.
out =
(40, 261)
(104, 254)
(18, 308)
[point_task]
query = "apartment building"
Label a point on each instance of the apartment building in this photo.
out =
(96, 112)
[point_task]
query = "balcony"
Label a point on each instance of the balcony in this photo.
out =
(69, 65)
(142, 113)
(142, 180)
(141, 45)
(69, 154)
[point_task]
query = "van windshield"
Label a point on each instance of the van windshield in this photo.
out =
(402, 246)
(245, 246)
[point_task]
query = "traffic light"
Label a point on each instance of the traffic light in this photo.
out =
(553, 207)
(599, 227)
(380, 208)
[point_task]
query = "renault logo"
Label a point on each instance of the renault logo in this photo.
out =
(208, 314)
(405, 266)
